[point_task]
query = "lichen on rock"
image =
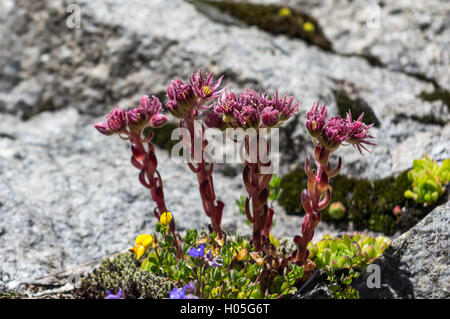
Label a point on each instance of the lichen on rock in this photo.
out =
(123, 272)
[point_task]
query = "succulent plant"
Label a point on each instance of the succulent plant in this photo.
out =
(428, 180)
(347, 256)
(347, 251)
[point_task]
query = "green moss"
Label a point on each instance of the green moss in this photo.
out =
(342, 187)
(369, 204)
(123, 272)
(276, 19)
(292, 185)
(356, 105)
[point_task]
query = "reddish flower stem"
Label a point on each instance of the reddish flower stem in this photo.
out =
(146, 161)
(258, 188)
(204, 172)
(314, 199)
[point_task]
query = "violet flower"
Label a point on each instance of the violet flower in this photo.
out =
(197, 252)
(251, 109)
(208, 258)
(181, 99)
(211, 261)
(333, 133)
(118, 295)
(187, 292)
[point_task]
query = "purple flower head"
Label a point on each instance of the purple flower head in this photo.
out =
(205, 88)
(315, 120)
(197, 252)
(333, 133)
(284, 106)
(226, 103)
(118, 295)
(269, 116)
(357, 132)
(142, 115)
(254, 110)
(211, 260)
(181, 99)
(247, 117)
(116, 120)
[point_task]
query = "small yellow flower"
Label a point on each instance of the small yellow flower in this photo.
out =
(242, 253)
(284, 12)
(257, 258)
(166, 218)
(204, 240)
(309, 27)
(142, 243)
(219, 241)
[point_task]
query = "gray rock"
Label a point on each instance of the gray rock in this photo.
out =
(407, 36)
(416, 263)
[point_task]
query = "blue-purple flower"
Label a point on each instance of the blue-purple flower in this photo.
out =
(208, 258)
(187, 292)
(197, 252)
(118, 295)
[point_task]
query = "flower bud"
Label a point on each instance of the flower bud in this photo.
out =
(158, 120)
(103, 128)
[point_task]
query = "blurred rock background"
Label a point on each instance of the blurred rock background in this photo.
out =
(68, 195)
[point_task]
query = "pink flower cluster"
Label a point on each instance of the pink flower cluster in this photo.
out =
(250, 109)
(336, 130)
(185, 99)
(147, 113)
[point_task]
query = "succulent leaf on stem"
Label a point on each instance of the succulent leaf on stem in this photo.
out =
(328, 136)
(186, 102)
(129, 125)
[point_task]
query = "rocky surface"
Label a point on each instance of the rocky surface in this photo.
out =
(69, 195)
(416, 263)
(406, 36)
